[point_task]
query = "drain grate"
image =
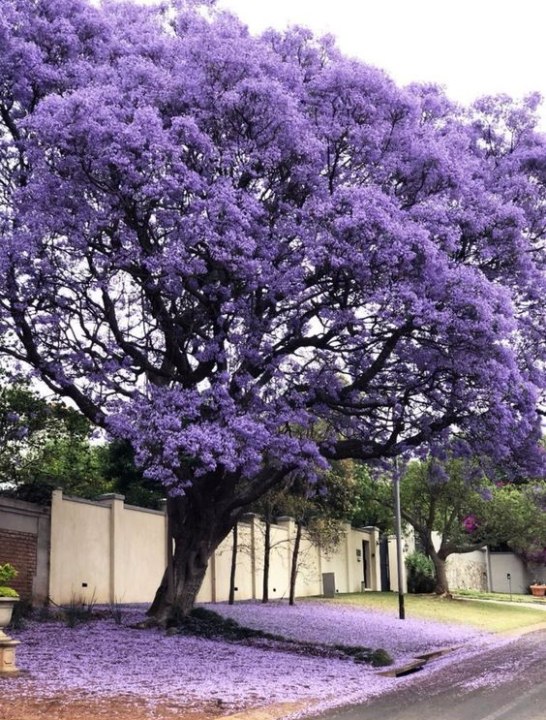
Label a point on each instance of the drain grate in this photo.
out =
(437, 653)
(407, 669)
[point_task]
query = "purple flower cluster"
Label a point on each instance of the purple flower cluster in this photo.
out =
(104, 659)
(471, 523)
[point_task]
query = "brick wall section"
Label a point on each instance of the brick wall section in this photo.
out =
(20, 549)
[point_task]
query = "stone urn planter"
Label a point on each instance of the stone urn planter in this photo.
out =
(8, 646)
(6, 610)
(8, 598)
(538, 590)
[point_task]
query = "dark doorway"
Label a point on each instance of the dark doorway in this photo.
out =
(366, 563)
(384, 564)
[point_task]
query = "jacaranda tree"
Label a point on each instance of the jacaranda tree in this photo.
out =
(211, 242)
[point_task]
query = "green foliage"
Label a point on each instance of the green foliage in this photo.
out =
(71, 464)
(375, 658)
(469, 509)
(515, 516)
(373, 500)
(6, 591)
(45, 445)
(420, 576)
(7, 573)
(120, 472)
(438, 496)
(208, 624)
(380, 658)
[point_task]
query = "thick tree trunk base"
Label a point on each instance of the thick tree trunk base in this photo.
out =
(196, 531)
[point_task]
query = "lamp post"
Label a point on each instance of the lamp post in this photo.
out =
(398, 527)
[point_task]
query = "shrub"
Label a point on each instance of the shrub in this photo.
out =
(7, 574)
(6, 591)
(420, 573)
(78, 611)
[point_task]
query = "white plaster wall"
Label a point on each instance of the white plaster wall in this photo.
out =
(309, 578)
(80, 551)
(245, 580)
(140, 554)
(503, 563)
(336, 562)
(408, 546)
(279, 569)
(120, 553)
(222, 567)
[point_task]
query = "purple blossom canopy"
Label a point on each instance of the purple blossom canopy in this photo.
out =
(209, 239)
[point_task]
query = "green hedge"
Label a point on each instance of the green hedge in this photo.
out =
(420, 573)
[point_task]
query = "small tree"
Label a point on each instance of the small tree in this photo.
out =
(233, 566)
(269, 507)
(468, 510)
(440, 496)
(321, 509)
(515, 514)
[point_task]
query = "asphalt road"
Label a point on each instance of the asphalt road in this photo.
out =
(507, 682)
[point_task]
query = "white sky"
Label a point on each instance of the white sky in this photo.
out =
(471, 47)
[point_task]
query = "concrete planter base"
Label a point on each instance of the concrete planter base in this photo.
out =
(8, 668)
(6, 609)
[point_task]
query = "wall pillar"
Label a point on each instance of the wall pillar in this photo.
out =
(252, 519)
(56, 541)
(40, 590)
(348, 557)
(289, 524)
(116, 504)
(375, 559)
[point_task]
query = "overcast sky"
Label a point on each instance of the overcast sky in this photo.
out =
(471, 47)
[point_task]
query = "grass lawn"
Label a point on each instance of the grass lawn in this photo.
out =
(505, 597)
(486, 616)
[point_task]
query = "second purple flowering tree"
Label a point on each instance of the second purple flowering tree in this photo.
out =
(212, 241)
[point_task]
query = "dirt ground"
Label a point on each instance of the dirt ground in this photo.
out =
(67, 707)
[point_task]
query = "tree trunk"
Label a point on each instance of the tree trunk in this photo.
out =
(233, 567)
(294, 568)
(267, 554)
(197, 530)
(442, 585)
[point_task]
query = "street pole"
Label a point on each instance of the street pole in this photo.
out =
(400, 559)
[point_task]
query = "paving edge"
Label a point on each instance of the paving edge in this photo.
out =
(273, 712)
(518, 632)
